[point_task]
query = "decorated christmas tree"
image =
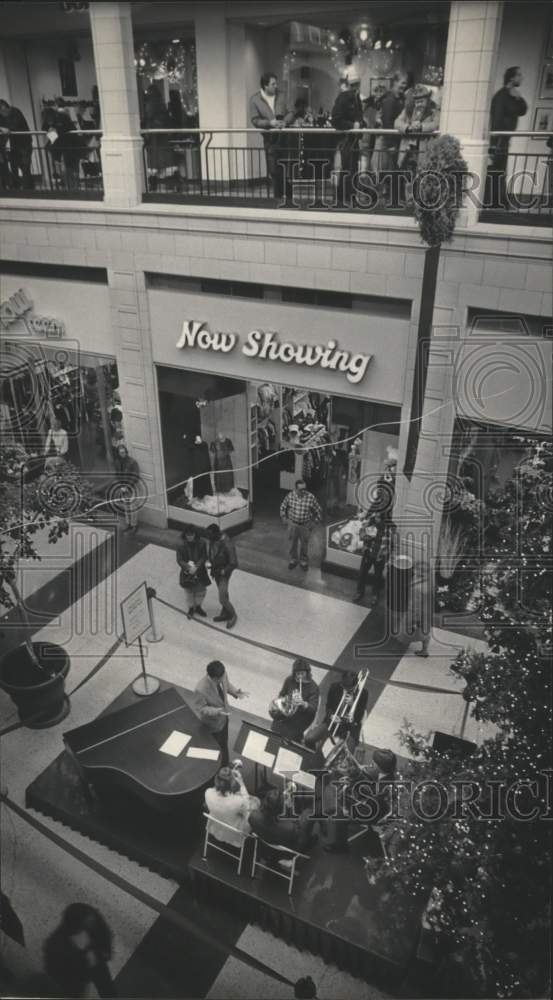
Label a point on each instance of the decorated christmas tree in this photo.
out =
(480, 870)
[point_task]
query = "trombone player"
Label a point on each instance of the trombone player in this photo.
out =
(345, 709)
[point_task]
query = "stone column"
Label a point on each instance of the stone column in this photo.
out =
(137, 386)
(214, 84)
(472, 45)
(122, 166)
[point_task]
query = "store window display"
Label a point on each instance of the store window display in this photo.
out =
(205, 446)
(365, 439)
(44, 386)
(233, 449)
(266, 402)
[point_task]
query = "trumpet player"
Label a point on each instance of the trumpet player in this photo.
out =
(345, 710)
(296, 706)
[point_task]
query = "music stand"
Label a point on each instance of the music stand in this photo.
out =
(265, 757)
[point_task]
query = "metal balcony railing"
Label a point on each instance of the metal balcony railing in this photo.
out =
(35, 164)
(368, 170)
(519, 182)
(362, 169)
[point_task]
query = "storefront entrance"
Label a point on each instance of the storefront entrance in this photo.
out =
(233, 449)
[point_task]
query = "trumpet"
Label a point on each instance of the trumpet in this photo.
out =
(345, 712)
(289, 703)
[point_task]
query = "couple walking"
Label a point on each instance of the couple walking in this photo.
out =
(194, 555)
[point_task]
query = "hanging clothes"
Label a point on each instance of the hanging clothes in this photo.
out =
(200, 468)
(223, 474)
(337, 478)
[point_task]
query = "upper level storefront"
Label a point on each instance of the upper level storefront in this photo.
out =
(306, 105)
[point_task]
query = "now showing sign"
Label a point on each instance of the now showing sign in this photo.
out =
(267, 346)
(18, 308)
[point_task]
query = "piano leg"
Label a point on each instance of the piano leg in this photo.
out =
(88, 790)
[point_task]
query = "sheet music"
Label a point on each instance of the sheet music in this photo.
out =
(175, 743)
(202, 753)
(254, 749)
(287, 761)
(305, 780)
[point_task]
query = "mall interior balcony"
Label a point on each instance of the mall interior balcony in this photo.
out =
(131, 104)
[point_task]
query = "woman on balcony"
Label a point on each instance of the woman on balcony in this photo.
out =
(419, 117)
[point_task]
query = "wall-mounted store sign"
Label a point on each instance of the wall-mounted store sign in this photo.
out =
(267, 346)
(19, 308)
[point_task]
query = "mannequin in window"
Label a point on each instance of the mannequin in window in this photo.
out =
(223, 474)
(200, 468)
(337, 478)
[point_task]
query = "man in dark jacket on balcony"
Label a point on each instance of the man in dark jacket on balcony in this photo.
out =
(506, 108)
(13, 120)
(347, 114)
(268, 112)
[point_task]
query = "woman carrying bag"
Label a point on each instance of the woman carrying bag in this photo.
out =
(193, 578)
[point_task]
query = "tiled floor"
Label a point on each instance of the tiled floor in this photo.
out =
(33, 574)
(276, 623)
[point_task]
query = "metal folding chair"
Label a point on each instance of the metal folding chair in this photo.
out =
(284, 854)
(211, 840)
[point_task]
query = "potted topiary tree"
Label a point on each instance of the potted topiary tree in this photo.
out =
(33, 673)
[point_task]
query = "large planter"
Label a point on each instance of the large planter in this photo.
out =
(398, 583)
(39, 695)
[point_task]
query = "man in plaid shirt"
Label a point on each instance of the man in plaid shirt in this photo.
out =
(301, 510)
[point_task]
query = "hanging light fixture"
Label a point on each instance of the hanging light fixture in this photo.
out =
(366, 34)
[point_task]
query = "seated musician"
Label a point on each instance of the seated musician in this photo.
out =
(230, 802)
(296, 706)
(338, 798)
(382, 773)
(334, 829)
(342, 692)
(270, 823)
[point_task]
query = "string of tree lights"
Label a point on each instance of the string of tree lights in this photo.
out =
(487, 879)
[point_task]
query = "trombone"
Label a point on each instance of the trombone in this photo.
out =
(345, 712)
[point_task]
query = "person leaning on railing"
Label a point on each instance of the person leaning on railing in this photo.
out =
(12, 120)
(268, 112)
(390, 108)
(347, 114)
(506, 108)
(65, 144)
(419, 117)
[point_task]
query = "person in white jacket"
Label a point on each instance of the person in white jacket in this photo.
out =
(230, 802)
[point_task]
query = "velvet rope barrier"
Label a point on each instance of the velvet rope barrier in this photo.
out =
(408, 685)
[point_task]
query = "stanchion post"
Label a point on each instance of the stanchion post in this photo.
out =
(153, 634)
(145, 684)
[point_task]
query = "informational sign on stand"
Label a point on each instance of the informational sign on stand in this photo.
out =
(135, 612)
(137, 619)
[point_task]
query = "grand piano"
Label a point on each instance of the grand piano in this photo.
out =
(122, 750)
